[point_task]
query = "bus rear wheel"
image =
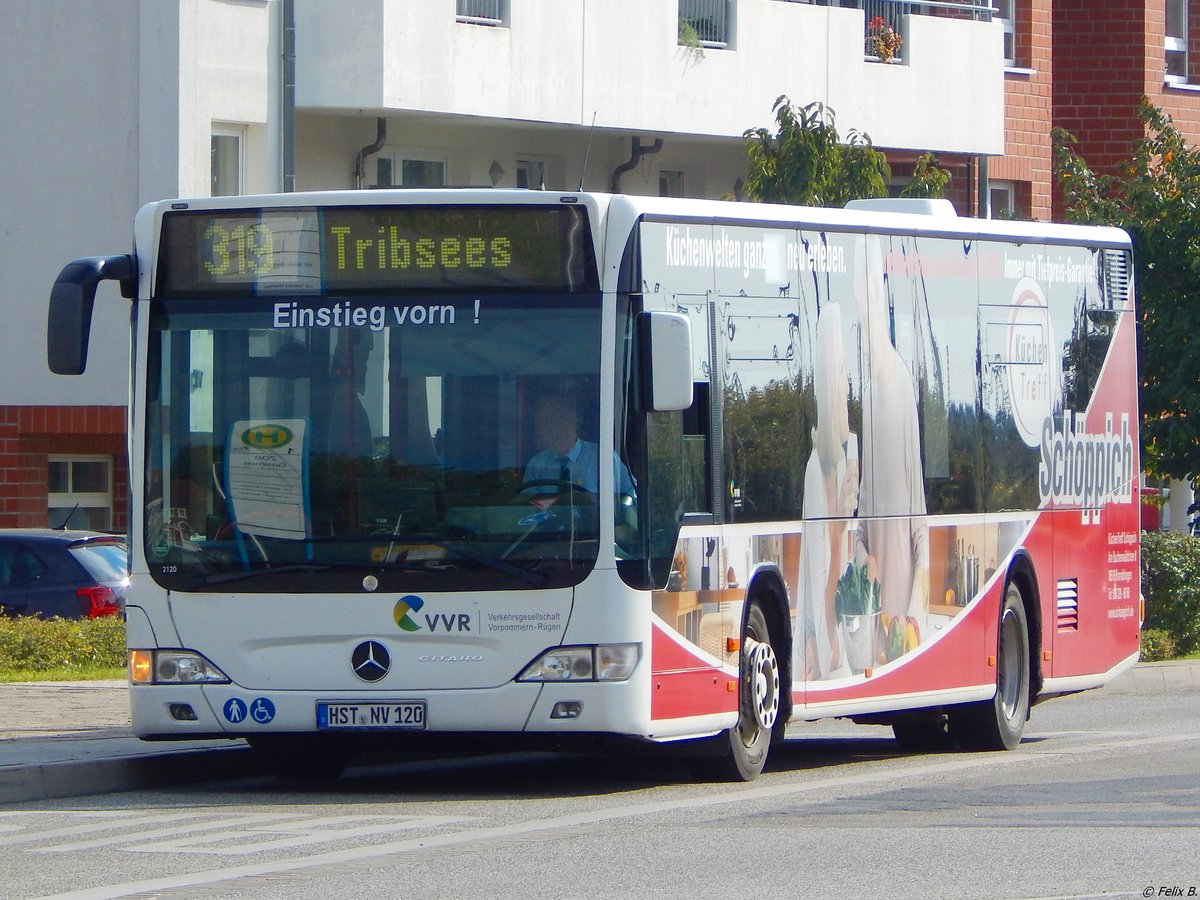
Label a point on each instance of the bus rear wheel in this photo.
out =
(998, 724)
(742, 751)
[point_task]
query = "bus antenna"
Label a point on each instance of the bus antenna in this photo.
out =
(588, 151)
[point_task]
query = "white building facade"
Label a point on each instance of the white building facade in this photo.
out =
(109, 104)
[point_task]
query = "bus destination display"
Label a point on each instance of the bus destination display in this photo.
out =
(375, 248)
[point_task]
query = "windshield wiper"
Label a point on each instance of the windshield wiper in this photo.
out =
(366, 566)
(537, 579)
(223, 577)
(529, 575)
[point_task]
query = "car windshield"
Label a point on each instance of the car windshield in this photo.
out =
(307, 446)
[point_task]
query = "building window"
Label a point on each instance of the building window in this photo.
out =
(1006, 14)
(670, 183)
(79, 492)
(226, 163)
(710, 20)
(422, 173)
(409, 169)
(481, 12)
(1176, 47)
(1001, 200)
(531, 173)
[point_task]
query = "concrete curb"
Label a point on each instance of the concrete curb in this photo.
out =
(1158, 677)
(46, 781)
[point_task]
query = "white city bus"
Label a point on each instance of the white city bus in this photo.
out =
(582, 469)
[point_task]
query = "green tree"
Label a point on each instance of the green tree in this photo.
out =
(805, 162)
(1154, 196)
(929, 179)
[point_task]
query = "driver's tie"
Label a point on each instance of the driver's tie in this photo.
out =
(564, 469)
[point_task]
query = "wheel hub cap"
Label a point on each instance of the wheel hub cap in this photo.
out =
(763, 674)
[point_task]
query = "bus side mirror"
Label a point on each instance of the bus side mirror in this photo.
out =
(666, 357)
(72, 298)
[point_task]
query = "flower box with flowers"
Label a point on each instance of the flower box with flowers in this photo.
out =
(883, 41)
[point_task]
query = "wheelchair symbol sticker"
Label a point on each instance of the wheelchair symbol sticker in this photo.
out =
(235, 710)
(262, 710)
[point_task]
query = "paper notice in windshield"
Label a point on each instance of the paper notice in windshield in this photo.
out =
(266, 477)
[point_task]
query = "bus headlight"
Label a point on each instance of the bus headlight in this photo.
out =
(587, 662)
(173, 667)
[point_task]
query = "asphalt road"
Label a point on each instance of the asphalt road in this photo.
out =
(1102, 799)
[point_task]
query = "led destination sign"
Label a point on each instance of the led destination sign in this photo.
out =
(376, 248)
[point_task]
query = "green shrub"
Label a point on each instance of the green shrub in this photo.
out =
(1157, 644)
(40, 645)
(1171, 586)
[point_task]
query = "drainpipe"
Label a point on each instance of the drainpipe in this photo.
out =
(360, 160)
(635, 157)
(985, 195)
(287, 105)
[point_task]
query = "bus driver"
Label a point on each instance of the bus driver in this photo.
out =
(565, 456)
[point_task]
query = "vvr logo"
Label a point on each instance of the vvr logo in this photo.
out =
(405, 605)
(405, 614)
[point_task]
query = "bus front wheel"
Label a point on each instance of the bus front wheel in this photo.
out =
(998, 724)
(742, 751)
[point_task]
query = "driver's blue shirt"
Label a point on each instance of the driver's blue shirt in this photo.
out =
(581, 466)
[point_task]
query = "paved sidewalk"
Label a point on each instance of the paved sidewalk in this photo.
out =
(68, 739)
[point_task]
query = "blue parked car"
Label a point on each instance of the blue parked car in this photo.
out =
(53, 572)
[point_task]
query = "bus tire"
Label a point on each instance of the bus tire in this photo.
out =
(998, 723)
(742, 750)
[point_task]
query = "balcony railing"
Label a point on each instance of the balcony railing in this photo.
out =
(709, 19)
(977, 10)
(480, 12)
(892, 13)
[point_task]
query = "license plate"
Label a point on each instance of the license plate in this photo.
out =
(408, 714)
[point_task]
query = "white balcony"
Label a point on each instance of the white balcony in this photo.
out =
(559, 62)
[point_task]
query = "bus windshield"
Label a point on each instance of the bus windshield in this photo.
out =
(405, 442)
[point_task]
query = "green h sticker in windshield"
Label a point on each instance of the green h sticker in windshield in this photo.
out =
(267, 436)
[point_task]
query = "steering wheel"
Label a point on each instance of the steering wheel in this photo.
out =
(577, 493)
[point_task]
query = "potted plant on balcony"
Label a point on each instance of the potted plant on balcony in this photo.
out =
(883, 41)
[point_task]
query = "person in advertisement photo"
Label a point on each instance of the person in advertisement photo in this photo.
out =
(830, 499)
(892, 539)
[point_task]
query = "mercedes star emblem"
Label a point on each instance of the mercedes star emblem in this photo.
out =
(370, 660)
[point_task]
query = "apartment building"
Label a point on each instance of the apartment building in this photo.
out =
(110, 105)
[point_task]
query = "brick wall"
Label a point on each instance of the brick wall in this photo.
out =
(1103, 50)
(1028, 111)
(1108, 54)
(29, 434)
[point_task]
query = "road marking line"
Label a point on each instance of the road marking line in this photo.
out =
(576, 820)
(28, 837)
(142, 834)
(246, 845)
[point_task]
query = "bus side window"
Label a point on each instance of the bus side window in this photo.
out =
(697, 443)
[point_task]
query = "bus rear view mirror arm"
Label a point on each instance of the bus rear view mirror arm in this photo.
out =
(71, 302)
